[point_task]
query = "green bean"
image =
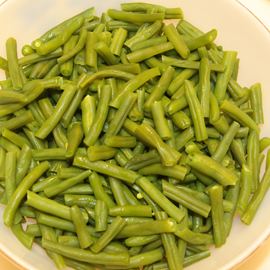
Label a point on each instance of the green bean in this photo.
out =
(88, 107)
(105, 53)
(87, 255)
(21, 191)
(49, 233)
(177, 172)
(15, 138)
(24, 238)
(121, 115)
(90, 53)
(209, 167)
(58, 133)
(49, 206)
(148, 135)
(142, 259)
(76, 49)
(17, 121)
(224, 144)
(8, 96)
(35, 57)
(10, 171)
(131, 210)
(36, 143)
(235, 89)
(202, 40)
(145, 34)
(63, 103)
(161, 125)
(116, 226)
(196, 257)
(160, 199)
(196, 112)
(51, 45)
(77, 264)
(75, 137)
(105, 37)
(159, 89)
(49, 181)
(101, 216)
(148, 43)
(264, 143)
(191, 64)
(99, 192)
(256, 103)
(112, 25)
(144, 6)
(66, 67)
(49, 154)
(190, 202)
(246, 180)
(134, 17)
(118, 40)
(132, 85)
(223, 78)
(137, 241)
(84, 236)
(101, 152)
(177, 41)
(105, 168)
(80, 200)
(253, 158)
(216, 195)
(100, 117)
(88, 15)
(13, 65)
(142, 160)
(145, 53)
(148, 228)
(168, 240)
(238, 115)
(60, 187)
(191, 237)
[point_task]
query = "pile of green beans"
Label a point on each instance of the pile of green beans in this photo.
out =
(128, 140)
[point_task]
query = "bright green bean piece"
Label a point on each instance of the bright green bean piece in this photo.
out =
(116, 226)
(216, 196)
(223, 78)
(100, 117)
(256, 103)
(238, 115)
(196, 112)
(60, 108)
(134, 17)
(49, 46)
(105, 168)
(131, 210)
(84, 236)
(101, 216)
(160, 199)
(13, 66)
(25, 239)
(143, 54)
(190, 202)
(60, 187)
(87, 255)
(209, 167)
(21, 191)
(75, 136)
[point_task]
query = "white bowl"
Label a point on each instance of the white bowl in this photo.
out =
(237, 29)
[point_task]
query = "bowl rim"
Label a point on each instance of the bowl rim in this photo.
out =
(238, 261)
